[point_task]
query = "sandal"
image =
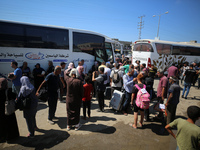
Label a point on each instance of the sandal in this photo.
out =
(132, 126)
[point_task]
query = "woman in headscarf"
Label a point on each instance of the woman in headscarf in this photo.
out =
(27, 89)
(73, 99)
(8, 123)
(38, 73)
(81, 74)
(67, 71)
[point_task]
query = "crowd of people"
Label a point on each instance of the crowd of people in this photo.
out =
(80, 84)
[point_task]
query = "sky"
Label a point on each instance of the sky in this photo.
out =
(113, 18)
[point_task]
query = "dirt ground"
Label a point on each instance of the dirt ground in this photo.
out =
(104, 130)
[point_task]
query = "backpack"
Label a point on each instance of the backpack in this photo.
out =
(143, 97)
(100, 85)
(116, 77)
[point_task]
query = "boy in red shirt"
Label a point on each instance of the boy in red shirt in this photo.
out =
(88, 92)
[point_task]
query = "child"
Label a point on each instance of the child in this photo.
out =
(188, 134)
(88, 92)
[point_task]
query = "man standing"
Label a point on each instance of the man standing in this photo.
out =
(63, 85)
(152, 71)
(129, 80)
(116, 78)
(162, 89)
(38, 74)
(103, 64)
(16, 78)
(84, 66)
(190, 74)
(107, 71)
(196, 68)
(53, 83)
(144, 69)
(26, 71)
(50, 69)
(95, 69)
(123, 59)
(79, 64)
(172, 71)
(100, 87)
(184, 68)
(148, 81)
(126, 67)
(198, 77)
(173, 99)
(188, 134)
(138, 64)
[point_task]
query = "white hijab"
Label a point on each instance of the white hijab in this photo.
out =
(26, 87)
(74, 71)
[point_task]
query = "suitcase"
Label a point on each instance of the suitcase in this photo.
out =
(107, 92)
(117, 100)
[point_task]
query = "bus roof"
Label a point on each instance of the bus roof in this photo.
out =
(62, 27)
(168, 42)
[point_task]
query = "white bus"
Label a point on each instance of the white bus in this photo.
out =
(163, 53)
(39, 44)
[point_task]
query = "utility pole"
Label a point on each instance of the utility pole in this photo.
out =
(140, 24)
(159, 23)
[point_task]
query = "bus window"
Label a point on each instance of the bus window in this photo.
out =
(180, 50)
(40, 37)
(84, 42)
(194, 51)
(144, 47)
(109, 51)
(137, 47)
(163, 48)
(11, 35)
(175, 50)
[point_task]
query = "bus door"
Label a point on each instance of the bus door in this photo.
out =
(99, 55)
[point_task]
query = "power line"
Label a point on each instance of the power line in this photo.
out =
(141, 24)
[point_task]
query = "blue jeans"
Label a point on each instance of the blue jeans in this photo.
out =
(198, 83)
(186, 85)
(177, 148)
(127, 101)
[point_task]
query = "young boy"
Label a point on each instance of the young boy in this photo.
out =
(188, 134)
(88, 92)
